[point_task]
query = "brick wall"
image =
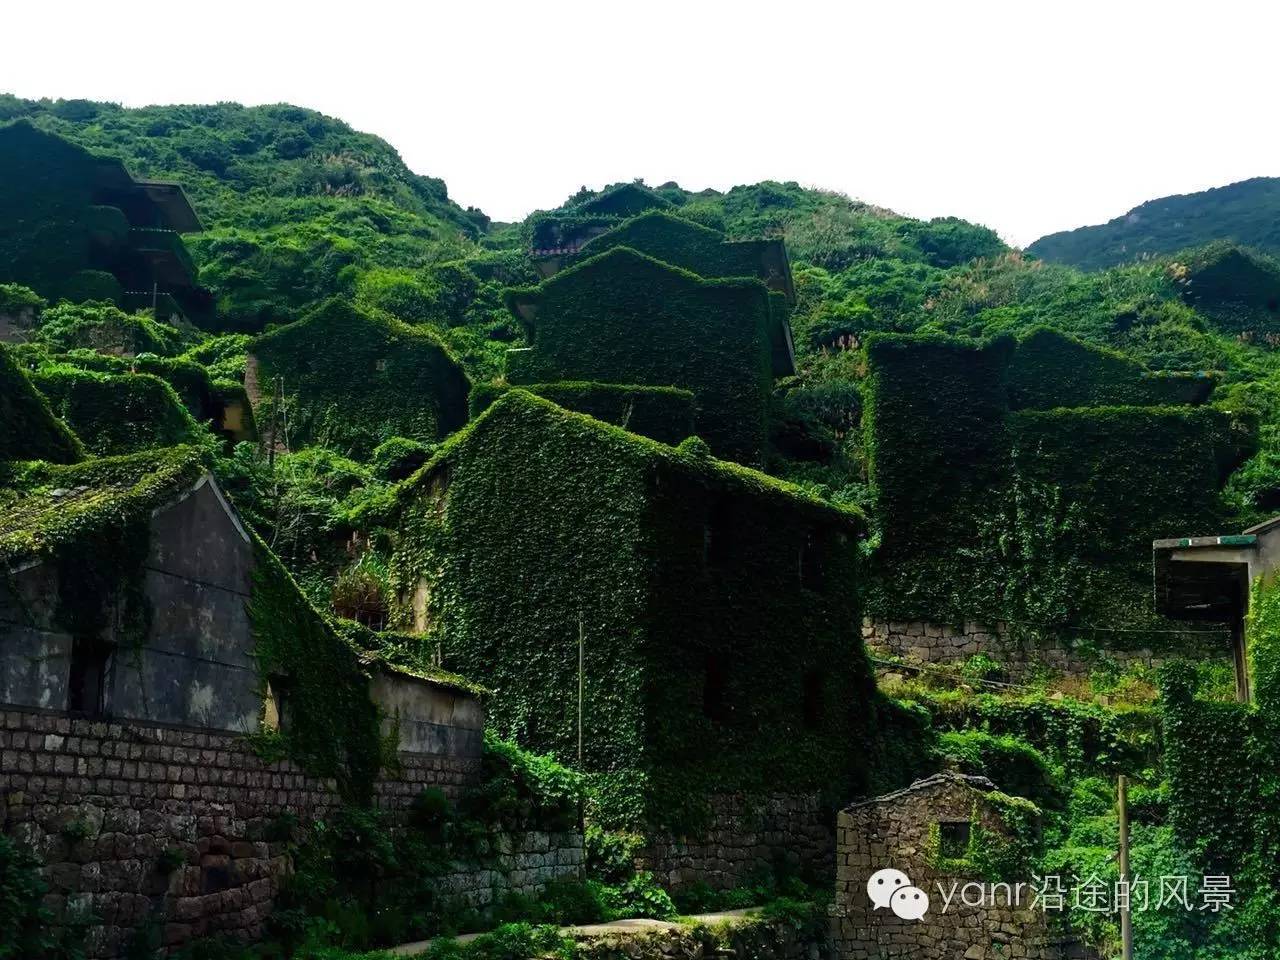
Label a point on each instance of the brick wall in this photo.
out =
(746, 836)
(951, 645)
(100, 803)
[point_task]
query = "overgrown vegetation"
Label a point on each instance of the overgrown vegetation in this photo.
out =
(1015, 430)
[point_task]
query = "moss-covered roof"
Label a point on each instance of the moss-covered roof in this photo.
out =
(45, 507)
(691, 456)
(359, 378)
(28, 428)
(385, 650)
(516, 297)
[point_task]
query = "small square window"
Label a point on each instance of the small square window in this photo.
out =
(953, 839)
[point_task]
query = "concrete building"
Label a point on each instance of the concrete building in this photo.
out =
(1208, 579)
(118, 237)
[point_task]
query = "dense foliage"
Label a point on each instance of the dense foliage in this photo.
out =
(1017, 429)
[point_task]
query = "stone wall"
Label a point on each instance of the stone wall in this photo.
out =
(140, 823)
(745, 837)
(893, 832)
(951, 645)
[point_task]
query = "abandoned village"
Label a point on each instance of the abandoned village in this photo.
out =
(589, 562)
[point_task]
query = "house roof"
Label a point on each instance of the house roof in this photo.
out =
(384, 650)
(45, 507)
(945, 778)
(686, 457)
(523, 301)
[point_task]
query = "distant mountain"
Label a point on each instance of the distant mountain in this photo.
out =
(1247, 213)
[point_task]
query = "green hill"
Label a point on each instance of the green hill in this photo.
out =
(1247, 213)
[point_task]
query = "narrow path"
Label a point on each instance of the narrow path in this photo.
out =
(591, 931)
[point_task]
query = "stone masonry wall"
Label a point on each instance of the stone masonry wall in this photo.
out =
(139, 823)
(893, 832)
(950, 645)
(746, 836)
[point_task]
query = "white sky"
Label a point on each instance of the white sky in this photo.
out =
(1029, 117)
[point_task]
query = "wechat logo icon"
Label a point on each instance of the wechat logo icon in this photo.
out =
(893, 889)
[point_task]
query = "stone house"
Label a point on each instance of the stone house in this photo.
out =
(175, 645)
(133, 662)
(684, 627)
(920, 839)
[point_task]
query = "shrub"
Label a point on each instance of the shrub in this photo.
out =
(26, 931)
(1013, 765)
(395, 459)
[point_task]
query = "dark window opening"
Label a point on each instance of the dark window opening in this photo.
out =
(715, 688)
(280, 705)
(814, 707)
(811, 576)
(953, 839)
(716, 535)
(216, 874)
(86, 683)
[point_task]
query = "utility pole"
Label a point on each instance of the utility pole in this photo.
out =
(275, 419)
(582, 643)
(1126, 917)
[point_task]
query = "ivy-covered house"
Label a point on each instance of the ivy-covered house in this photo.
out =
(625, 318)
(87, 229)
(668, 237)
(1023, 480)
(680, 626)
(352, 379)
(708, 253)
(132, 591)
(561, 233)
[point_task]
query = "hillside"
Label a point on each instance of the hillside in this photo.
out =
(1247, 213)
(958, 457)
(292, 201)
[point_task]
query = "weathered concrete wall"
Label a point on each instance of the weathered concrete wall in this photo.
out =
(430, 717)
(18, 325)
(196, 666)
(893, 833)
(101, 802)
(951, 645)
(745, 837)
(35, 656)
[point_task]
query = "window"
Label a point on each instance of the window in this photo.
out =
(716, 535)
(277, 711)
(86, 682)
(715, 688)
(811, 561)
(953, 839)
(814, 707)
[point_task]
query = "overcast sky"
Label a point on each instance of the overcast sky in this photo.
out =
(1029, 117)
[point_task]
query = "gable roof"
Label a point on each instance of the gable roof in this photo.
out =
(623, 200)
(523, 301)
(532, 411)
(699, 248)
(926, 785)
(110, 176)
(45, 507)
